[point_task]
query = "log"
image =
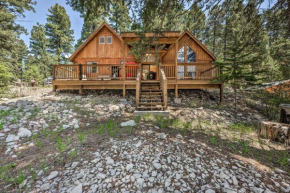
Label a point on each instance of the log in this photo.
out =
(275, 131)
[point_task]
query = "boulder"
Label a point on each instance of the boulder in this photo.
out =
(128, 123)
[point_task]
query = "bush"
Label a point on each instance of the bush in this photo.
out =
(33, 72)
(5, 77)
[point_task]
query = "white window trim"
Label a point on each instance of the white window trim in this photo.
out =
(111, 39)
(100, 39)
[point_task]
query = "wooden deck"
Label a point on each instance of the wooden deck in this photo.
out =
(85, 77)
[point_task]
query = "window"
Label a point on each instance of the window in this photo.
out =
(109, 40)
(191, 57)
(180, 71)
(180, 55)
(191, 71)
(102, 40)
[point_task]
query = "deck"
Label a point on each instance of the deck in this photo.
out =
(123, 77)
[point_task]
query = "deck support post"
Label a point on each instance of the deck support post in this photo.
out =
(81, 90)
(221, 93)
(54, 88)
(176, 91)
(80, 72)
(124, 90)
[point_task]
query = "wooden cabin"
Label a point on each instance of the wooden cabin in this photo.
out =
(104, 61)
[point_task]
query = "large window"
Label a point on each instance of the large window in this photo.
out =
(188, 52)
(92, 69)
(180, 71)
(191, 57)
(180, 55)
(191, 71)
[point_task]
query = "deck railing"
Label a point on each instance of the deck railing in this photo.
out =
(66, 72)
(163, 81)
(169, 70)
(95, 72)
(211, 73)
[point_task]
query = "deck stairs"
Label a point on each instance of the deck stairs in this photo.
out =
(151, 96)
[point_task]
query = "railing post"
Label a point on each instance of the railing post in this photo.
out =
(80, 72)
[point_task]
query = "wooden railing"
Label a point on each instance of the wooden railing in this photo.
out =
(138, 85)
(163, 82)
(66, 72)
(169, 70)
(210, 73)
(95, 72)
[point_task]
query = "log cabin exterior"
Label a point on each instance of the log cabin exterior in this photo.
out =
(103, 61)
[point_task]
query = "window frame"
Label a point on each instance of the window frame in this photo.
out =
(104, 39)
(107, 39)
(185, 51)
(94, 68)
(186, 56)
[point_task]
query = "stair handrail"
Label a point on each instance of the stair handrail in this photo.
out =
(138, 83)
(163, 81)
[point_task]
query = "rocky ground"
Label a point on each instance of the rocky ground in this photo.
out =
(65, 142)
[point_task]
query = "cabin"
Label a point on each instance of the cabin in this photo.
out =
(104, 61)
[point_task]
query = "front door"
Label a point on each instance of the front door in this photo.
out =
(149, 72)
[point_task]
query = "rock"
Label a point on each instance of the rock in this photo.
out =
(209, 191)
(191, 141)
(101, 176)
(110, 161)
(78, 189)
(257, 190)
(138, 144)
(161, 135)
(52, 175)
(140, 182)
(11, 138)
(129, 167)
(128, 123)
(157, 165)
(23, 132)
(22, 184)
(74, 164)
(167, 183)
(2, 134)
(132, 178)
(177, 100)
(45, 186)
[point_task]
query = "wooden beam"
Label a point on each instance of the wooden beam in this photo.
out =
(81, 89)
(176, 91)
(124, 90)
(53, 88)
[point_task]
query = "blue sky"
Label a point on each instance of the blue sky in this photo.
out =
(40, 14)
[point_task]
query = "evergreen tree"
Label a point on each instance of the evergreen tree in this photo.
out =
(245, 49)
(119, 18)
(59, 33)
(38, 47)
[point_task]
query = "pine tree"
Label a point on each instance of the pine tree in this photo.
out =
(59, 32)
(245, 49)
(119, 18)
(38, 47)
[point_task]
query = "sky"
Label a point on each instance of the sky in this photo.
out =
(40, 15)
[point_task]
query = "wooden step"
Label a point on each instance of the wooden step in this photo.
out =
(151, 103)
(151, 99)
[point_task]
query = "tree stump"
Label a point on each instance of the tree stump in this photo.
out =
(275, 131)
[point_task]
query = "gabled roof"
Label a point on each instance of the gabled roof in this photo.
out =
(92, 36)
(198, 42)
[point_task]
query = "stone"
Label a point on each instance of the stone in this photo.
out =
(157, 165)
(52, 175)
(128, 123)
(23, 132)
(161, 135)
(140, 182)
(191, 141)
(11, 138)
(101, 176)
(2, 134)
(110, 161)
(167, 183)
(74, 164)
(78, 189)
(129, 167)
(22, 184)
(257, 190)
(177, 100)
(132, 178)
(209, 191)
(45, 186)
(138, 144)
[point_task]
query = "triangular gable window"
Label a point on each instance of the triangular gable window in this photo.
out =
(191, 56)
(180, 55)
